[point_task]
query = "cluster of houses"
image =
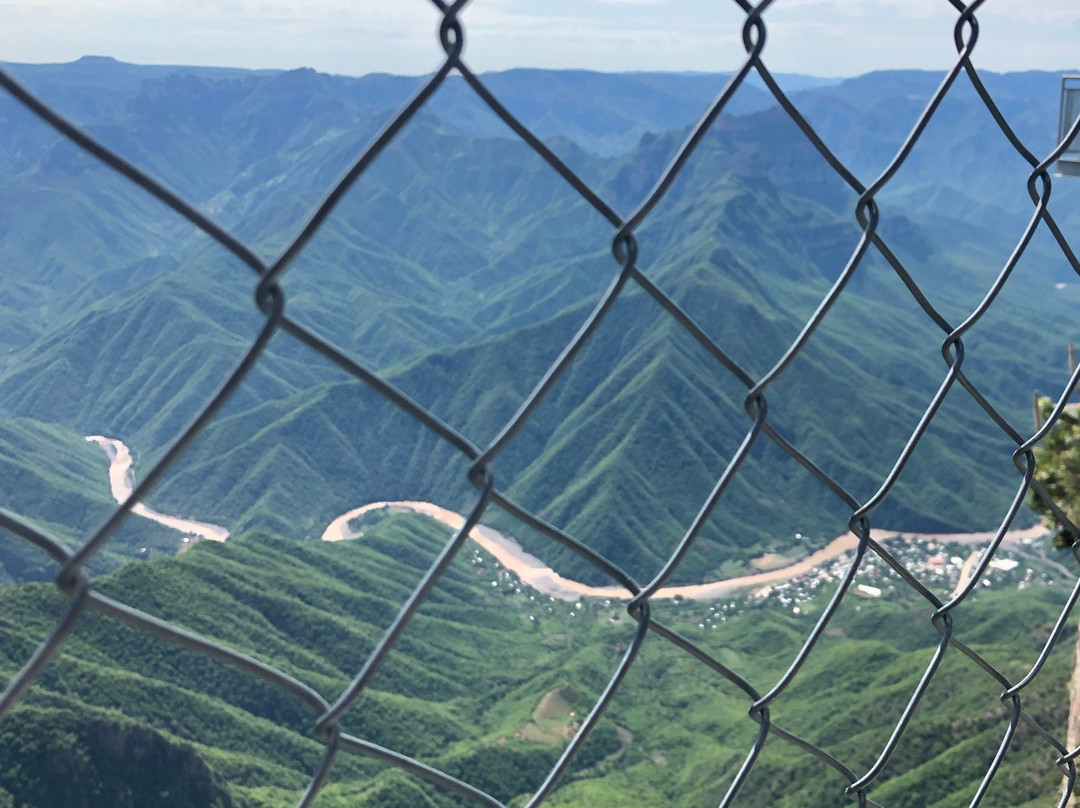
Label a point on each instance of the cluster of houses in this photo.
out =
(940, 566)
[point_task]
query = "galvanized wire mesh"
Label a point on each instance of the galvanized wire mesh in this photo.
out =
(270, 300)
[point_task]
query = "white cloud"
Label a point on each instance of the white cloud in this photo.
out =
(829, 37)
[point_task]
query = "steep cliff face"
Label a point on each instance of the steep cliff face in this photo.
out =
(49, 758)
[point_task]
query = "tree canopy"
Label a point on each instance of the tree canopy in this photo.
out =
(1057, 468)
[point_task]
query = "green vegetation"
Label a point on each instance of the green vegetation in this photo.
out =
(1058, 469)
(488, 684)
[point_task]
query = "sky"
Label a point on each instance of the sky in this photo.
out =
(355, 37)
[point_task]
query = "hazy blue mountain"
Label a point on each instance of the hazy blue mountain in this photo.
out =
(461, 263)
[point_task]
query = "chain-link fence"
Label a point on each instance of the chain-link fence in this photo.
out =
(75, 584)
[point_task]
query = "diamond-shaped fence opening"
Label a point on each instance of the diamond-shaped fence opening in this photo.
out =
(332, 699)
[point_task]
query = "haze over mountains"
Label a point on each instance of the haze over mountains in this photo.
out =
(461, 264)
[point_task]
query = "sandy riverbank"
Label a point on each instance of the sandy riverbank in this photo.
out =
(535, 573)
(122, 482)
(528, 568)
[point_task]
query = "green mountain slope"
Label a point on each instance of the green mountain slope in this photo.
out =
(54, 478)
(487, 682)
(631, 440)
(459, 267)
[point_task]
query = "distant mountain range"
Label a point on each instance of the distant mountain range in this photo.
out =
(461, 264)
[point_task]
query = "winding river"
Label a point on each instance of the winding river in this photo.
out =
(528, 568)
(122, 482)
